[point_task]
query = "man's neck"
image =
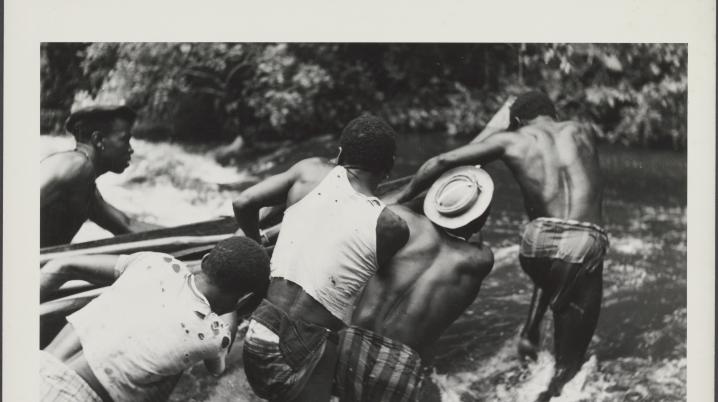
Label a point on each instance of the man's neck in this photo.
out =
(363, 181)
(218, 302)
(91, 154)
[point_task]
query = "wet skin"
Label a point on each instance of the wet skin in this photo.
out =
(68, 195)
(288, 188)
(557, 169)
(426, 286)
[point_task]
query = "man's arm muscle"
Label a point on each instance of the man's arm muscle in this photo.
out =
(392, 233)
(471, 154)
(109, 217)
(269, 192)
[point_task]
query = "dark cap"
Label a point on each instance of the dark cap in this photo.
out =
(95, 113)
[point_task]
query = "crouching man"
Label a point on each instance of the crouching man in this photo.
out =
(133, 342)
(427, 285)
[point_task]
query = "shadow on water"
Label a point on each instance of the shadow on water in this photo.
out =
(639, 350)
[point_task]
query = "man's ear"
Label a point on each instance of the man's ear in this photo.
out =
(515, 123)
(96, 139)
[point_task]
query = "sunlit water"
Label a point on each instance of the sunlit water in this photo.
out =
(638, 352)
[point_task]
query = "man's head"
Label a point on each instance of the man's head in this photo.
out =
(368, 143)
(108, 130)
(237, 266)
(459, 200)
(528, 106)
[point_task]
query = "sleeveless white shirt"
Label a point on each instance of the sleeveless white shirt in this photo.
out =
(327, 244)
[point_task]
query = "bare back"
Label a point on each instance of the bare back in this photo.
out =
(426, 286)
(556, 166)
(66, 196)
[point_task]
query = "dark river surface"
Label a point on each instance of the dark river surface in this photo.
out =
(639, 350)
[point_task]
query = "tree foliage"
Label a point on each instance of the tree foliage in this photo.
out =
(633, 93)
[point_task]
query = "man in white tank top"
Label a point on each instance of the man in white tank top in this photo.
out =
(335, 236)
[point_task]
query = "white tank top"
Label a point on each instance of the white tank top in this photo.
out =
(327, 244)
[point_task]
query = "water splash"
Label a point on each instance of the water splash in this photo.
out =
(503, 378)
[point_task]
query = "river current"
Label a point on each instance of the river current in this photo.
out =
(638, 352)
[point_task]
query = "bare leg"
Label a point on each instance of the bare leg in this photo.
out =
(531, 333)
(574, 326)
(319, 386)
(538, 270)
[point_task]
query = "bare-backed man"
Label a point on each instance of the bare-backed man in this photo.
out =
(68, 194)
(556, 166)
(428, 284)
(335, 236)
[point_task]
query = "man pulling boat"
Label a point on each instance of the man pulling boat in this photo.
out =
(556, 166)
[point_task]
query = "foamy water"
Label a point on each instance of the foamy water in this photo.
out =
(165, 184)
(644, 315)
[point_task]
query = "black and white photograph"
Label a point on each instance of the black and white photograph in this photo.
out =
(363, 221)
(376, 201)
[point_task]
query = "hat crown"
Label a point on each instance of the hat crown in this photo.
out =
(457, 195)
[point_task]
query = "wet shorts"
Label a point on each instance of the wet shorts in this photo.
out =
(580, 245)
(373, 368)
(59, 383)
(280, 353)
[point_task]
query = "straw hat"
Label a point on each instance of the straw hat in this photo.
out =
(459, 196)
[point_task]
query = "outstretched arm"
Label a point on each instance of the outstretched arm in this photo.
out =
(269, 192)
(500, 122)
(471, 154)
(114, 220)
(96, 269)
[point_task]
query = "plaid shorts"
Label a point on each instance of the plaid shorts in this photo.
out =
(280, 353)
(59, 383)
(566, 240)
(374, 368)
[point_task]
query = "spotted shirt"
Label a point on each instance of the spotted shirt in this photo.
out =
(149, 326)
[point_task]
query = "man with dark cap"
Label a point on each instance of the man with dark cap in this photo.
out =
(158, 318)
(68, 195)
(556, 166)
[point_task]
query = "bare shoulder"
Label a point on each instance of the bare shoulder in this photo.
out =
(391, 224)
(68, 167)
(574, 128)
(478, 259)
(311, 167)
(392, 233)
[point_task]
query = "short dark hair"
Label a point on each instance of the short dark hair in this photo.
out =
(238, 264)
(82, 123)
(368, 143)
(532, 104)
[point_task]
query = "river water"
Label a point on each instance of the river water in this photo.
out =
(638, 352)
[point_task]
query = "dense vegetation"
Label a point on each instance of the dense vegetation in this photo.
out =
(634, 93)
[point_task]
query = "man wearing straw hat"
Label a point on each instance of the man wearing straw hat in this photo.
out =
(68, 194)
(158, 318)
(556, 166)
(384, 354)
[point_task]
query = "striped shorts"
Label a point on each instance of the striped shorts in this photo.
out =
(373, 368)
(59, 383)
(566, 240)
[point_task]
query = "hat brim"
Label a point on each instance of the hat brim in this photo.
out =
(485, 184)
